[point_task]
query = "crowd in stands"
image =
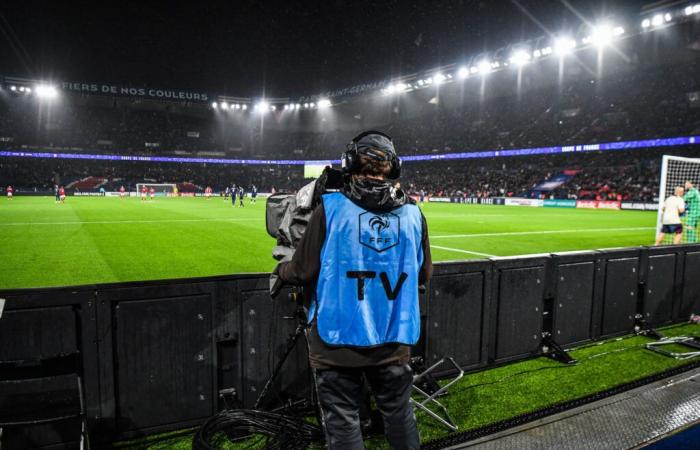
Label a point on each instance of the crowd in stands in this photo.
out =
(656, 102)
(30, 175)
(623, 175)
(663, 101)
(618, 175)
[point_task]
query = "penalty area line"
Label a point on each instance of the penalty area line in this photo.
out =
(458, 250)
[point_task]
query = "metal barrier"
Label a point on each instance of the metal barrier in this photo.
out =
(159, 356)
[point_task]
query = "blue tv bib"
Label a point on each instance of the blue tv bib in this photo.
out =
(367, 291)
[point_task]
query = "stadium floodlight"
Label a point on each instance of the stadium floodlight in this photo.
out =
(28, 90)
(306, 105)
(668, 17)
(657, 20)
(463, 72)
(484, 67)
(386, 91)
(21, 88)
(237, 106)
(262, 106)
(324, 103)
(273, 108)
(646, 23)
(439, 78)
(520, 58)
(420, 82)
(244, 107)
(46, 91)
(214, 105)
(688, 10)
(224, 105)
(603, 34)
(13, 88)
(312, 105)
(537, 54)
(429, 80)
(696, 9)
(297, 106)
(564, 45)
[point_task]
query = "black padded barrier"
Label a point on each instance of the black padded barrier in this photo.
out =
(662, 275)
(517, 304)
(158, 356)
(573, 284)
(43, 324)
(458, 301)
(690, 298)
(620, 285)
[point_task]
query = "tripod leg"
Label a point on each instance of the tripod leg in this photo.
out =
(299, 332)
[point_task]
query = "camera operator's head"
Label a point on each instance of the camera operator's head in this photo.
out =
(371, 168)
(371, 155)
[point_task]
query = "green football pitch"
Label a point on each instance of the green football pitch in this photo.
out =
(107, 239)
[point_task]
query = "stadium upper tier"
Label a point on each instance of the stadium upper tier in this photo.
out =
(646, 87)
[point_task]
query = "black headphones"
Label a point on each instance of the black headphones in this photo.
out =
(350, 160)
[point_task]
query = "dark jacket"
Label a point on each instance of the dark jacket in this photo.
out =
(305, 265)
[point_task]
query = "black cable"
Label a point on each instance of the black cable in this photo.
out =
(279, 431)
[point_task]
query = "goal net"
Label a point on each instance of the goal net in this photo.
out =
(675, 171)
(162, 189)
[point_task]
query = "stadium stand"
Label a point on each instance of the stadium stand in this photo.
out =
(636, 100)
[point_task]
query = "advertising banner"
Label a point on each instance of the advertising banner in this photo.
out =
(586, 204)
(560, 203)
(608, 205)
(478, 200)
(639, 206)
(131, 91)
(524, 202)
(88, 194)
(600, 204)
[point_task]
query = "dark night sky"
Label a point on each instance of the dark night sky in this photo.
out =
(244, 47)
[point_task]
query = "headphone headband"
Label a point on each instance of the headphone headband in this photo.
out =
(350, 159)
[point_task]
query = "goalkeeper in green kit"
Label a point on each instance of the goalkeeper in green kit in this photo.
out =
(692, 208)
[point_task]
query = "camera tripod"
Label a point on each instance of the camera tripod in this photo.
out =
(299, 332)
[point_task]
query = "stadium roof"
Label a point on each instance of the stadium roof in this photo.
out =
(250, 48)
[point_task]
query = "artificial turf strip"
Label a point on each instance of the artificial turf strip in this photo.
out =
(490, 396)
(91, 240)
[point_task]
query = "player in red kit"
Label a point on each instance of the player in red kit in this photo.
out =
(144, 191)
(9, 192)
(62, 194)
(122, 192)
(153, 193)
(207, 192)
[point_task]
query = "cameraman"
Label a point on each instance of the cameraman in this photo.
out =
(362, 258)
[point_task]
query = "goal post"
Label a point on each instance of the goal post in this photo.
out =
(675, 171)
(162, 189)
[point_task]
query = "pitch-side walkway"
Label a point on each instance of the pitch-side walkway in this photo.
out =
(632, 419)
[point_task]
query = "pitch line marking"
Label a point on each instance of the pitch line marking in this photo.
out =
(525, 233)
(450, 249)
(130, 221)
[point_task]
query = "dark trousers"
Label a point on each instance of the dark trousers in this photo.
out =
(340, 392)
